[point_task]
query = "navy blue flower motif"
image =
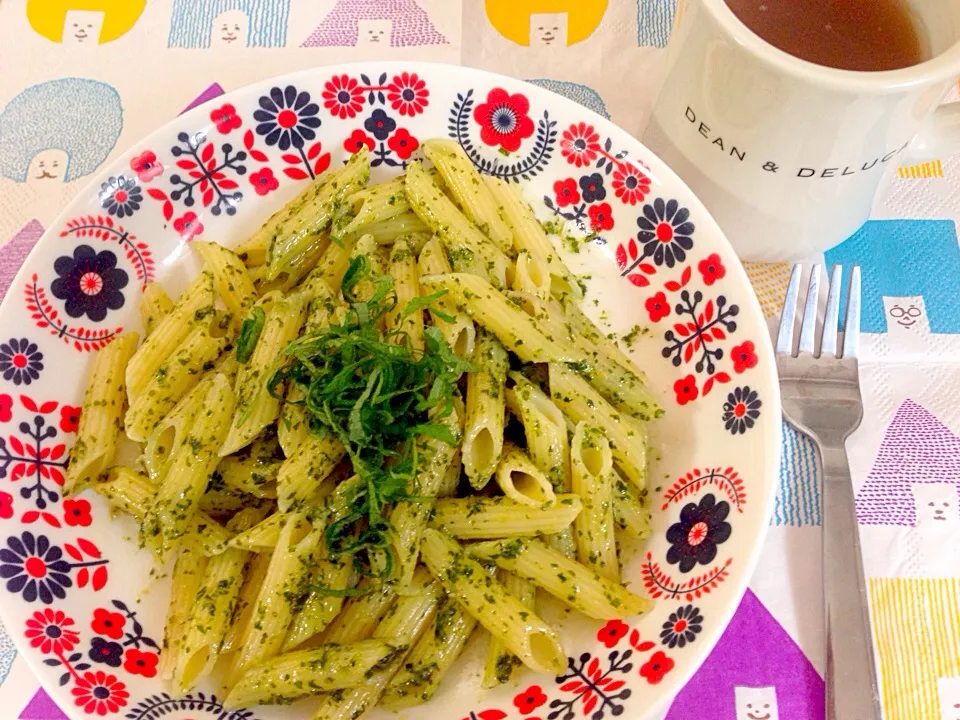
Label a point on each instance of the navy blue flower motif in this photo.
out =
(89, 282)
(287, 118)
(701, 528)
(665, 231)
(741, 410)
(120, 196)
(20, 361)
(104, 651)
(682, 626)
(380, 125)
(592, 189)
(35, 568)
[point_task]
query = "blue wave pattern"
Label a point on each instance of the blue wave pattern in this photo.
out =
(798, 497)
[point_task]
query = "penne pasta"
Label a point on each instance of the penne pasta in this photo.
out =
(242, 616)
(629, 509)
(501, 663)
(568, 581)
(301, 475)
(457, 327)
(155, 304)
(521, 480)
(469, 192)
(361, 614)
(502, 615)
(592, 479)
(531, 275)
(406, 285)
(100, 417)
(230, 277)
(187, 575)
(249, 474)
(479, 518)
(483, 424)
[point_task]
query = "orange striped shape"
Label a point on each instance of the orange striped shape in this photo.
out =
(916, 626)
(769, 282)
(932, 168)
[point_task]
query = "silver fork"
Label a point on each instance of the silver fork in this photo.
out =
(820, 387)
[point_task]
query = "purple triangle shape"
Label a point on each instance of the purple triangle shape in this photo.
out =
(754, 651)
(42, 707)
(209, 94)
(916, 448)
(15, 252)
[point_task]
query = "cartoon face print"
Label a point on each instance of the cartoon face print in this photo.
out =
(936, 506)
(48, 165)
(906, 315)
(374, 32)
(949, 691)
(548, 29)
(756, 703)
(229, 29)
(82, 27)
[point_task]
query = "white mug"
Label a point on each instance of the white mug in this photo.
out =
(787, 155)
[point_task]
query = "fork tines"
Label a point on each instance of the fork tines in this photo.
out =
(808, 326)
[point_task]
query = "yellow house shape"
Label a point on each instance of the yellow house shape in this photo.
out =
(47, 17)
(511, 18)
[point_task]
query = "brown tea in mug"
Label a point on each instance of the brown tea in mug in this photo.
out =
(866, 35)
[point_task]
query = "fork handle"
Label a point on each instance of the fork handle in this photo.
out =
(851, 683)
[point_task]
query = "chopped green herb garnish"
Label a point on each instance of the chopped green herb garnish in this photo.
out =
(249, 334)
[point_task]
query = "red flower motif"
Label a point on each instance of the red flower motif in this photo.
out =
(744, 357)
(189, 226)
(408, 94)
(503, 119)
(140, 663)
(580, 144)
(611, 633)
(629, 184)
(108, 623)
(263, 181)
(225, 118)
(77, 512)
(51, 631)
(69, 418)
(566, 192)
(491, 714)
(601, 217)
(99, 693)
(529, 700)
(656, 667)
(357, 140)
(6, 407)
(403, 143)
(146, 166)
(657, 307)
(6, 505)
(686, 390)
(342, 96)
(711, 268)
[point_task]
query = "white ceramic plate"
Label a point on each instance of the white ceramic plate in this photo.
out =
(86, 608)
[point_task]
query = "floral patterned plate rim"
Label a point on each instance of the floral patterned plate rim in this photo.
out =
(86, 608)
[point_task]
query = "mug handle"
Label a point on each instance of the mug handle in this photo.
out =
(939, 137)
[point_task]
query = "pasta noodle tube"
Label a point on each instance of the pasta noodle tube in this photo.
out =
(294, 675)
(544, 428)
(253, 578)
(629, 509)
(592, 479)
(567, 580)
(100, 419)
(324, 601)
(168, 334)
(154, 305)
(406, 285)
(187, 576)
(456, 232)
(581, 403)
(250, 475)
(502, 615)
(459, 332)
(500, 661)
(519, 333)
(174, 378)
(302, 473)
(377, 203)
(256, 405)
(433, 655)
(521, 480)
(470, 192)
(230, 277)
(209, 619)
(406, 622)
(360, 615)
(329, 270)
(531, 275)
(481, 518)
(483, 425)
(292, 233)
(179, 496)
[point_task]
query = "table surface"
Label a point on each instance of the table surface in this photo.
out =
(156, 58)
